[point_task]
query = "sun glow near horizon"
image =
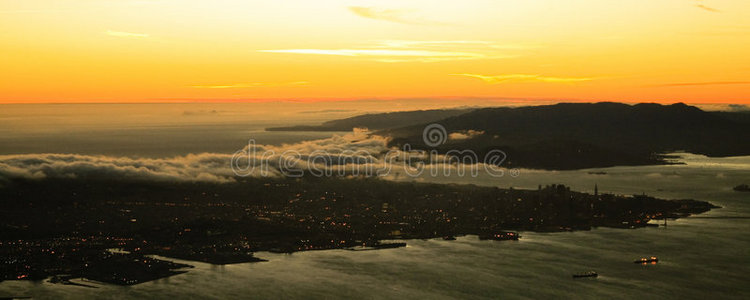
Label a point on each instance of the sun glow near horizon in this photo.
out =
(154, 51)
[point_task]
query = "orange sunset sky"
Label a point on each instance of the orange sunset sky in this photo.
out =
(182, 50)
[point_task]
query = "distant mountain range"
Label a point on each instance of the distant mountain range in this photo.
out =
(573, 135)
(379, 121)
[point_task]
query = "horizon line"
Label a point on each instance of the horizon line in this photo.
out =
(333, 99)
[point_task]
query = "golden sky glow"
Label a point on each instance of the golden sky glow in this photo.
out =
(693, 51)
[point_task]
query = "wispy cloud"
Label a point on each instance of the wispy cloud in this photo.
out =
(414, 51)
(738, 107)
(388, 55)
(124, 34)
(390, 15)
(412, 43)
(497, 79)
(464, 44)
(465, 135)
(703, 83)
(251, 85)
(701, 6)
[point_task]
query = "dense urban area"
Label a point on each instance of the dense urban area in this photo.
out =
(106, 230)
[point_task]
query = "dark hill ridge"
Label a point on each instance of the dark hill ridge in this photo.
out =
(584, 135)
(378, 121)
(568, 135)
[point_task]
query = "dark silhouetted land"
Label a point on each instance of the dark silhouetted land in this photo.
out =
(572, 135)
(378, 121)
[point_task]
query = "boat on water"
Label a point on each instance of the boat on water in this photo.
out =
(647, 260)
(742, 188)
(586, 274)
